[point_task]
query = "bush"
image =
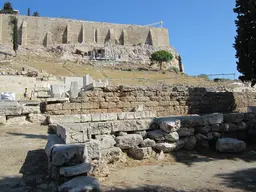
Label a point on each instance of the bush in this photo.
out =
(15, 35)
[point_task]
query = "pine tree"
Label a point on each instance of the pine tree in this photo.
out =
(245, 41)
(15, 35)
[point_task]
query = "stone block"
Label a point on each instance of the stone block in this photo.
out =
(37, 118)
(91, 105)
(131, 125)
(148, 143)
(128, 141)
(228, 127)
(230, 145)
(203, 129)
(64, 155)
(157, 135)
(86, 118)
(96, 117)
(64, 119)
(170, 126)
(81, 183)
(17, 120)
(2, 120)
(57, 91)
(172, 137)
(69, 106)
(111, 155)
(74, 90)
(87, 79)
(215, 118)
(30, 109)
(241, 126)
(108, 116)
(53, 139)
(54, 107)
(141, 153)
(10, 108)
(165, 147)
(185, 132)
(190, 143)
(138, 108)
(106, 141)
(215, 128)
(93, 149)
(125, 115)
(233, 117)
(75, 170)
(100, 128)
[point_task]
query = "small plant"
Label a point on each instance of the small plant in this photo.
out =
(15, 34)
(203, 76)
(161, 56)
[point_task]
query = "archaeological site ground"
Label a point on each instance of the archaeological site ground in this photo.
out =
(84, 108)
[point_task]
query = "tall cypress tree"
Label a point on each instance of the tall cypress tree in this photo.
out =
(245, 41)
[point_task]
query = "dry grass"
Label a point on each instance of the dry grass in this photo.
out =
(59, 68)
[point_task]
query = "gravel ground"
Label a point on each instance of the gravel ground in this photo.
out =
(24, 168)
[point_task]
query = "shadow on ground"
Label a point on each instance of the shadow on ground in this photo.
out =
(153, 188)
(243, 179)
(34, 175)
(29, 136)
(205, 155)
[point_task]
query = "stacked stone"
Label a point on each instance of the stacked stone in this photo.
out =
(69, 164)
(13, 113)
(164, 100)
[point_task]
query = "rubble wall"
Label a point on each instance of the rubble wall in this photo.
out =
(38, 31)
(164, 100)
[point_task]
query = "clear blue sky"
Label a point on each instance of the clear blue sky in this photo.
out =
(202, 31)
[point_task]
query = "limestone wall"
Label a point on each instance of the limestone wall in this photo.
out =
(164, 101)
(42, 30)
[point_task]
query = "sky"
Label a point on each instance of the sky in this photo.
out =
(202, 31)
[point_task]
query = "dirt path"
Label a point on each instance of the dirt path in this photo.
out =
(22, 158)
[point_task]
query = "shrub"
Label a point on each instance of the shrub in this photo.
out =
(15, 35)
(161, 56)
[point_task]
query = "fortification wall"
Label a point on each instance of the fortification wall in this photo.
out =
(164, 101)
(43, 30)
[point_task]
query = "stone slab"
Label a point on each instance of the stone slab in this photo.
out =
(2, 120)
(75, 170)
(10, 108)
(111, 155)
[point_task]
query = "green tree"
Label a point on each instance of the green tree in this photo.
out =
(36, 14)
(15, 35)
(161, 56)
(8, 6)
(245, 41)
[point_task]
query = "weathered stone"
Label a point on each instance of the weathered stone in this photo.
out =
(228, 127)
(165, 147)
(73, 132)
(69, 154)
(157, 135)
(37, 118)
(139, 108)
(10, 108)
(30, 109)
(53, 139)
(215, 118)
(86, 118)
(106, 141)
(170, 126)
(64, 119)
(101, 169)
(82, 183)
(241, 126)
(100, 128)
(54, 107)
(230, 145)
(125, 115)
(2, 120)
(17, 120)
(75, 170)
(93, 149)
(172, 137)
(185, 132)
(213, 135)
(96, 117)
(131, 125)
(190, 143)
(148, 143)
(142, 133)
(141, 153)
(233, 117)
(203, 129)
(74, 89)
(111, 155)
(128, 141)
(249, 116)
(215, 128)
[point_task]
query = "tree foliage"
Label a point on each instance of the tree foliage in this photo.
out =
(161, 56)
(36, 14)
(15, 34)
(245, 41)
(7, 9)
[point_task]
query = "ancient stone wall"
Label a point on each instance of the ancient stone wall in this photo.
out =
(164, 100)
(45, 31)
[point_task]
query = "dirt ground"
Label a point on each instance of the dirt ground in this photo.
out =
(24, 168)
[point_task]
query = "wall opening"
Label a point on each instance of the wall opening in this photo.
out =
(81, 35)
(107, 38)
(96, 32)
(121, 39)
(65, 36)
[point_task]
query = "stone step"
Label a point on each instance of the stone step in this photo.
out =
(75, 170)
